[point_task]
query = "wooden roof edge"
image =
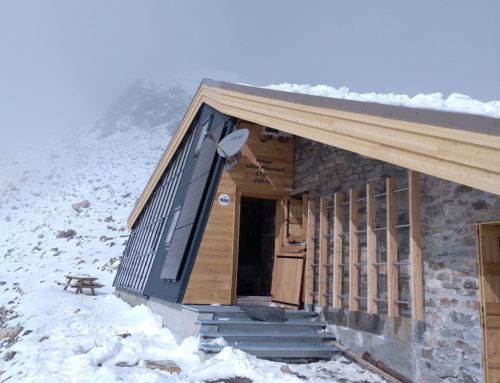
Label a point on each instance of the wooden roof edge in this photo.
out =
(476, 123)
(470, 125)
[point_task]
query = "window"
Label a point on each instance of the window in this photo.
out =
(171, 227)
(201, 136)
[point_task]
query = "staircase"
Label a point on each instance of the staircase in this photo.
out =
(300, 337)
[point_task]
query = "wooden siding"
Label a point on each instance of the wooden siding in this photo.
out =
(465, 157)
(212, 275)
(257, 174)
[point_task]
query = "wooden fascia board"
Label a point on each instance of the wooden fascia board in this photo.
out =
(464, 157)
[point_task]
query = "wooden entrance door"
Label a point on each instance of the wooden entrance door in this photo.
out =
(288, 270)
(489, 274)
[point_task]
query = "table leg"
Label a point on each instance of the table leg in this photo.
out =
(67, 284)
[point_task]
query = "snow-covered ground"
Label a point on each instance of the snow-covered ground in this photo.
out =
(74, 338)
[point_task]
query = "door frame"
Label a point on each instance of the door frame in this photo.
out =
(482, 314)
(278, 198)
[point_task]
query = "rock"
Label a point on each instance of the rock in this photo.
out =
(124, 335)
(427, 353)
(2, 283)
(480, 204)
(27, 332)
(108, 219)
(163, 365)
(69, 234)
(470, 284)
(125, 364)
(9, 356)
(451, 285)
(236, 379)
(43, 338)
(10, 332)
(286, 369)
(81, 205)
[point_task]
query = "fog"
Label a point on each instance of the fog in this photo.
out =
(63, 62)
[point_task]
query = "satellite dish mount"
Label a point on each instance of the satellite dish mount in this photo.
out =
(230, 146)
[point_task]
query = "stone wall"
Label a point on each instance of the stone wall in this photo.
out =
(447, 345)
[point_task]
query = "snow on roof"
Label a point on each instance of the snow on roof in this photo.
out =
(456, 102)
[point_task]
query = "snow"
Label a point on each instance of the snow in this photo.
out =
(79, 338)
(455, 102)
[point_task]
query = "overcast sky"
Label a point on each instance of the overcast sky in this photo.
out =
(62, 62)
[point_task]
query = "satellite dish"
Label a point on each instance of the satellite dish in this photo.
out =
(231, 145)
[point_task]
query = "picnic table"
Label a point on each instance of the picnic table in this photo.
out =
(80, 282)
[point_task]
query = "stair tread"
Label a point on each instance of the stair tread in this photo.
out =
(236, 321)
(278, 347)
(273, 334)
(208, 309)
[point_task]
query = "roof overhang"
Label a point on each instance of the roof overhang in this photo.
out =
(458, 147)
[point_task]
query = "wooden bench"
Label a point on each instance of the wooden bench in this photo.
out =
(79, 283)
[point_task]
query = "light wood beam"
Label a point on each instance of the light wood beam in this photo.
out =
(337, 251)
(353, 250)
(371, 249)
(417, 299)
(392, 249)
(305, 200)
(323, 250)
(309, 271)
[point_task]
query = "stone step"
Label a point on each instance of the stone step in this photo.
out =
(288, 351)
(233, 337)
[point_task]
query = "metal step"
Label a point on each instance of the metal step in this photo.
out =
(238, 312)
(233, 337)
(228, 324)
(280, 351)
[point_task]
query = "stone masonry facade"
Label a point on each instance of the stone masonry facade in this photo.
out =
(447, 345)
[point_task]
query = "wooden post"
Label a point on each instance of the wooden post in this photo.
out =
(286, 222)
(337, 251)
(353, 250)
(371, 250)
(392, 249)
(417, 300)
(280, 233)
(323, 250)
(309, 272)
(305, 201)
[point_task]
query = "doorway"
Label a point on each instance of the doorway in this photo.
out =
(489, 280)
(256, 247)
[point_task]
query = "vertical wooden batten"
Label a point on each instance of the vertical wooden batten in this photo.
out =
(323, 251)
(371, 250)
(309, 271)
(392, 249)
(417, 300)
(305, 201)
(353, 250)
(337, 251)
